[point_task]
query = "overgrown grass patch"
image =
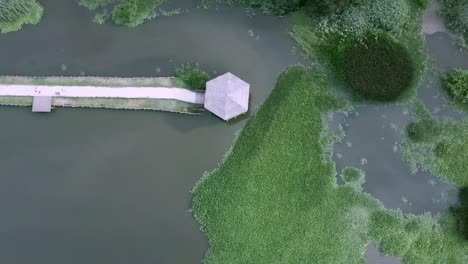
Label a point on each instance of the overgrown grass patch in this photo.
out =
(16, 13)
(438, 146)
(275, 199)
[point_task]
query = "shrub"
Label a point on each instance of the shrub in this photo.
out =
(15, 13)
(441, 149)
(423, 131)
(456, 83)
(378, 68)
(126, 13)
(353, 175)
(195, 78)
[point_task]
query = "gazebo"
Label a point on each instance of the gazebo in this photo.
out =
(227, 96)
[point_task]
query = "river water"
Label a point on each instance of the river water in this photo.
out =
(101, 186)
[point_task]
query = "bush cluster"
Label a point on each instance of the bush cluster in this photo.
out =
(456, 83)
(378, 68)
(353, 176)
(195, 78)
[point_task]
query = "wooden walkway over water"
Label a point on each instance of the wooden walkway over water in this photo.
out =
(43, 94)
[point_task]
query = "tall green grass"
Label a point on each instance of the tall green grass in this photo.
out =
(15, 13)
(275, 199)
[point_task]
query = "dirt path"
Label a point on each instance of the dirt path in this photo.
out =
(103, 92)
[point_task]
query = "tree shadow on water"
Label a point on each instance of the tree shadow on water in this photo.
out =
(460, 212)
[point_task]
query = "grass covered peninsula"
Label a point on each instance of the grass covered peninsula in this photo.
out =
(275, 199)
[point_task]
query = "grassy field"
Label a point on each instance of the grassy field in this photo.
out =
(275, 199)
(438, 146)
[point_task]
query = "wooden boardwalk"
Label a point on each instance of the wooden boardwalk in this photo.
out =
(180, 94)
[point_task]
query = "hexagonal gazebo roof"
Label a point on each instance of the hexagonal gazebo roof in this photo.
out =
(227, 96)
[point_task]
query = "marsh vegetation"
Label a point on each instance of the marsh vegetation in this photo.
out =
(15, 13)
(273, 198)
(438, 146)
(128, 13)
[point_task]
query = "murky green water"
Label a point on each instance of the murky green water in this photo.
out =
(100, 186)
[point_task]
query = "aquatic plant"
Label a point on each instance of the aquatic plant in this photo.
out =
(378, 68)
(101, 18)
(15, 13)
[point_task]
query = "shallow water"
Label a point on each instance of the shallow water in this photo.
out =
(102, 186)
(388, 176)
(373, 135)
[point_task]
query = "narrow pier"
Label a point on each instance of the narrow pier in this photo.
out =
(46, 91)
